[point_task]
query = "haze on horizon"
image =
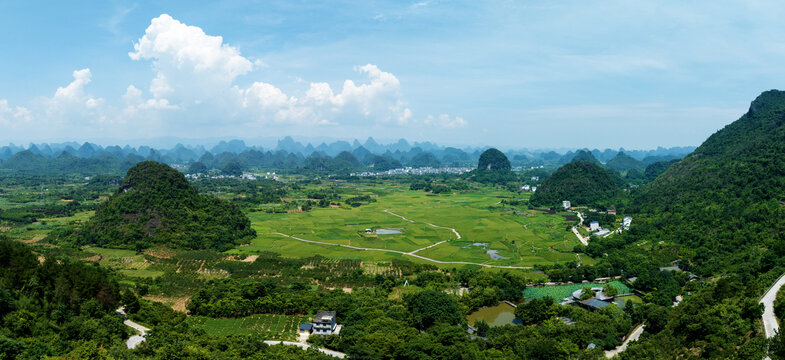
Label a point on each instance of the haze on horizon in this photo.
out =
(519, 75)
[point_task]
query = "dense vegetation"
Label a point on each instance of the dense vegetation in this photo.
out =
(156, 205)
(586, 156)
(493, 159)
(581, 182)
(623, 162)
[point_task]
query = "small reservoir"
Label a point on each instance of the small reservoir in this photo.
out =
(499, 315)
(388, 231)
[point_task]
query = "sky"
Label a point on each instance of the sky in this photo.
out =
(512, 74)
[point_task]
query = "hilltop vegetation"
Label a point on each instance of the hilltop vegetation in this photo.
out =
(156, 205)
(581, 182)
(623, 162)
(493, 159)
(586, 156)
(730, 189)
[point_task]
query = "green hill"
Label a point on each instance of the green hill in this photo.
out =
(156, 205)
(581, 182)
(623, 162)
(493, 159)
(728, 194)
(587, 156)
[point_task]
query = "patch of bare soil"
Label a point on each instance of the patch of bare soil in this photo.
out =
(176, 303)
(247, 259)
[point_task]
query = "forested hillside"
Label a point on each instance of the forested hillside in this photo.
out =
(726, 197)
(156, 205)
(581, 182)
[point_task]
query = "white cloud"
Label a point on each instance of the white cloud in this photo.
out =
(195, 87)
(445, 121)
(13, 116)
(75, 90)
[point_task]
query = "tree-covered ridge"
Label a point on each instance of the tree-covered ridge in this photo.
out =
(623, 162)
(727, 195)
(581, 182)
(587, 156)
(493, 159)
(156, 205)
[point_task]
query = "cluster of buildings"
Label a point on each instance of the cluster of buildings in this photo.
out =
(414, 171)
(598, 301)
(528, 188)
(243, 176)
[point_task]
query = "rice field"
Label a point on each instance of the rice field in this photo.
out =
(521, 238)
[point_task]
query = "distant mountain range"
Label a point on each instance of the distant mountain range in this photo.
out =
(402, 151)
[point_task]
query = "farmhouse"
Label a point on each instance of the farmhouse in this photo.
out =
(526, 188)
(534, 188)
(594, 226)
(565, 204)
(594, 304)
(324, 323)
(625, 223)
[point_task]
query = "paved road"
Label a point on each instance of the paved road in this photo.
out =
(584, 241)
(306, 346)
(634, 336)
(135, 340)
(770, 325)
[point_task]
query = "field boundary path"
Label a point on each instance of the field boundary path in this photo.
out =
(135, 340)
(429, 224)
(634, 336)
(412, 254)
(332, 353)
(770, 324)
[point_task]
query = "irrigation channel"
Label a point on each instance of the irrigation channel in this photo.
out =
(411, 253)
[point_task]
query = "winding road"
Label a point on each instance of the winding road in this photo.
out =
(584, 241)
(332, 353)
(634, 336)
(770, 324)
(135, 340)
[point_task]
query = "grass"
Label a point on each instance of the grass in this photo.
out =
(527, 239)
(272, 327)
(562, 291)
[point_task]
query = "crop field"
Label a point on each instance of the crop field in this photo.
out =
(562, 291)
(275, 327)
(519, 238)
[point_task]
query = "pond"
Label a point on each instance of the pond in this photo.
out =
(388, 231)
(494, 254)
(498, 315)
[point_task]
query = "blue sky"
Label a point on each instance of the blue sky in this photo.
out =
(536, 74)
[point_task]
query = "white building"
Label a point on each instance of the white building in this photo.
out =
(534, 188)
(594, 226)
(625, 223)
(565, 204)
(324, 323)
(526, 187)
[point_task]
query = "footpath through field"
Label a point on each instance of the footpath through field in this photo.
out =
(400, 252)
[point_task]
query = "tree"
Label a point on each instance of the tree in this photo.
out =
(535, 310)
(430, 307)
(482, 328)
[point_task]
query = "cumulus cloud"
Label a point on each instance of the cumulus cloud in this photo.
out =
(445, 121)
(195, 85)
(12, 116)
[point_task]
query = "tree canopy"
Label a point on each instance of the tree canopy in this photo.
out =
(156, 205)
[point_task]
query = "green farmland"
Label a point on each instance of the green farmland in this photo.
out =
(519, 238)
(273, 327)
